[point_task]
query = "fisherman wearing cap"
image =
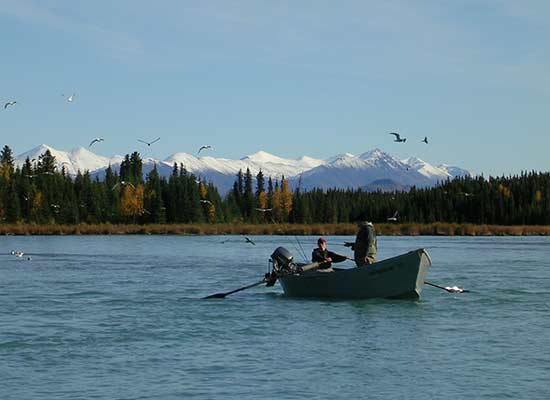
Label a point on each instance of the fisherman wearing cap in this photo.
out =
(364, 248)
(325, 257)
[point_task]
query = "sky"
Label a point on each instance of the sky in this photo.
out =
(292, 78)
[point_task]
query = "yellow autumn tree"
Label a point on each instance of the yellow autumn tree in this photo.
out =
(211, 211)
(277, 210)
(286, 199)
(262, 200)
(131, 203)
(202, 191)
(504, 190)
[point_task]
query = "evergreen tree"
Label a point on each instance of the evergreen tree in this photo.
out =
(6, 163)
(154, 206)
(136, 168)
(248, 197)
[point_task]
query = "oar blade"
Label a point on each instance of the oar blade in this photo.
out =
(216, 296)
(223, 295)
(448, 289)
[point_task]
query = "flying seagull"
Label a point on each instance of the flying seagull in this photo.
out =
(149, 143)
(123, 183)
(41, 173)
(263, 209)
(70, 98)
(96, 140)
(394, 218)
(205, 147)
(10, 103)
(398, 137)
(249, 241)
(425, 139)
(206, 201)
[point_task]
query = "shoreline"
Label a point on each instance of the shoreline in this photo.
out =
(433, 229)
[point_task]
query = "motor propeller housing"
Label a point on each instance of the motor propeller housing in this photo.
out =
(283, 260)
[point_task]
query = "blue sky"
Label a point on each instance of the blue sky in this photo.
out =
(292, 78)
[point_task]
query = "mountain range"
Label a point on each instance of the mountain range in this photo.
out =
(372, 170)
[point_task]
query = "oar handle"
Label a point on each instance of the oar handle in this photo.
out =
(310, 267)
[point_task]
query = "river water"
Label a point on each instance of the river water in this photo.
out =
(122, 317)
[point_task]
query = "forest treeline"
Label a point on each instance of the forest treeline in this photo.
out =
(39, 193)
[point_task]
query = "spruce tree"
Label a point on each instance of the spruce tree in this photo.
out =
(248, 197)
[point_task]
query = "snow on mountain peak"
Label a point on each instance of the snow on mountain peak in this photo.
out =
(309, 162)
(265, 157)
(425, 168)
(414, 161)
(343, 170)
(454, 172)
(339, 158)
(374, 155)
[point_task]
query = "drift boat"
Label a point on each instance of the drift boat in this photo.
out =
(397, 277)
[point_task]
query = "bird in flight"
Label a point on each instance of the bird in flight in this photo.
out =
(205, 147)
(70, 98)
(41, 173)
(10, 103)
(394, 218)
(398, 137)
(123, 183)
(248, 240)
(425, 140)
(96, 140)
(263, 209)
(206, 201)
(149, 143)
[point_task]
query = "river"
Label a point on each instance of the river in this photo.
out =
(122, 317)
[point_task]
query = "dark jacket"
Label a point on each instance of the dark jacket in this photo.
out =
(365, 244)
(321, 256)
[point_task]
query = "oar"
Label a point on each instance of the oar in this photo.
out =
(222, 295)
(453, 289)
(269, 279)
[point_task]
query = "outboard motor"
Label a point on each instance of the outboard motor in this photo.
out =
(282, 260)
(283, 264)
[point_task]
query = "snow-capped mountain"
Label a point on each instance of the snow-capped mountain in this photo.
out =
(441, 172)
(347, 170)
(454, 172)
(77, 159)
(372, 170)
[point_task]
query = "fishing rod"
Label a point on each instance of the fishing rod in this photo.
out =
(301, 248)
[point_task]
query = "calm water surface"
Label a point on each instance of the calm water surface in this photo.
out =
(121, 317)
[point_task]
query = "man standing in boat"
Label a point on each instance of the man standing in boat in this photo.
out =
(325, 257)
(364, 248)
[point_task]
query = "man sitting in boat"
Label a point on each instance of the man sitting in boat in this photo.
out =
(364, 248)
(325, 257)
